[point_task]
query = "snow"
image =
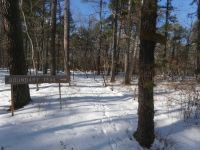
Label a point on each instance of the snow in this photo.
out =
(93, 117)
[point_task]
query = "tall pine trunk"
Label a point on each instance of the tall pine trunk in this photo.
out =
(100, 39)
(145, 131)
(53, 36)
(129, 52)
(114, 52)
(44, 50)
(66, 37)
(17, 62)
(198, 41)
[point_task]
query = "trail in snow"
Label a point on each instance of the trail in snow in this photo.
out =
(93, 118)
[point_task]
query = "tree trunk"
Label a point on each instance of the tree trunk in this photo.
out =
(66, 37)
(46, 57)
(198, 41)
(119, 38)
(114, 63)
(145, 131)
(128, 53)
(166, 28)
(134, 56)
(53, 35)
(100, 39)
(1, 45)
(44, 50)
(46, 53)
(17, 62)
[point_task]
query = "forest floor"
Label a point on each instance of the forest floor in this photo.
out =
(93, 117)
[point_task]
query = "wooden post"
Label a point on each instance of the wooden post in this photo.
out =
(60, 96)
(37, 86)
(12, 101)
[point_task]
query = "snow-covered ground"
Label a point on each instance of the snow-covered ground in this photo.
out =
(93, 117)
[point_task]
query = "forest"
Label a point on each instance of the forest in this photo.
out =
(99, 74)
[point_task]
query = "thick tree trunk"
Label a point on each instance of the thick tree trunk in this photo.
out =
(66, 37)
(53, 36)
(145, 131)
(114, 63)
(1, 45)
(198, 41)
(17, 62)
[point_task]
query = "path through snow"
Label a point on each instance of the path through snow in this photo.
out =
(93, 118)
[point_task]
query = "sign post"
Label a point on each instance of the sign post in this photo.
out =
(60, 96)
(12, 101)
(25, 79)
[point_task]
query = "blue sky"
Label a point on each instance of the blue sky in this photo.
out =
(78, 6)
(182, 8)
(81, 10)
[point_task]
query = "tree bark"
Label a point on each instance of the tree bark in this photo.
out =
(17, 62)
(145, 131)
(53, 36)
(198, 41)
(114, 63)
(44, 50)
(128, 52)
(46, 53)
(67, 37)
(134, 56)
(100, 39)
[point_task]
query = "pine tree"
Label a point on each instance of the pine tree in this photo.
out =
(128, 54)
(53, 36)
(114, 50)
(66, 37)
(17, 63)
(145, 130)
(198, 40)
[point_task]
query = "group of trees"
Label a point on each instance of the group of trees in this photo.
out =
(42, 35)
(29, 44)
